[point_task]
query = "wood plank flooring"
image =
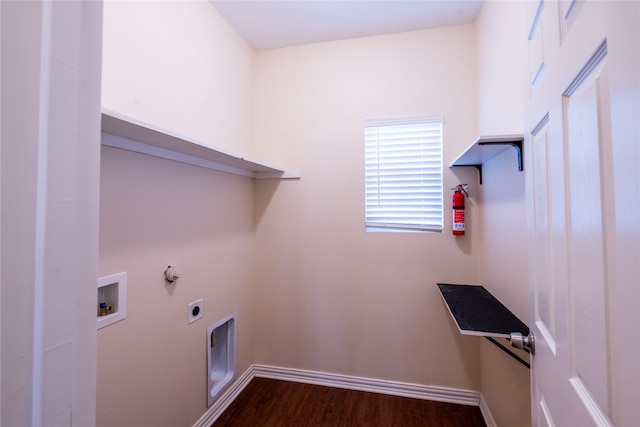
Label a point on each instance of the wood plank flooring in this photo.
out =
(269, 403)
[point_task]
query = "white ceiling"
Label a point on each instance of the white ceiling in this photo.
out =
(269, 24)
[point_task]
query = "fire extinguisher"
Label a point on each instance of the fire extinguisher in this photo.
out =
(458, 210)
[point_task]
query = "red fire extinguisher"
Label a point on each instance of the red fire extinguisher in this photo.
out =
(458, 210)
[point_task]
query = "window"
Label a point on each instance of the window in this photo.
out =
(403, 162)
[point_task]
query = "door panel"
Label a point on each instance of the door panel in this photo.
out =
(569, 13)
(535, 44)
(545, 414)
(583, 113)
(544, 291)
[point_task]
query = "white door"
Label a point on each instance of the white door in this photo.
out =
(582, 133)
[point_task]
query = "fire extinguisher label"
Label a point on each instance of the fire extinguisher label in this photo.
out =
(458, 219)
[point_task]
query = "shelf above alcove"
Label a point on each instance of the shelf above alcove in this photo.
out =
(486, 148)
(127, 133)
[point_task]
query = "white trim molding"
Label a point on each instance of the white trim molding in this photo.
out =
(226, 398)
(394, 388)
(486, 413)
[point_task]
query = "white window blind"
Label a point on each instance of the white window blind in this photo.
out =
(403, 162)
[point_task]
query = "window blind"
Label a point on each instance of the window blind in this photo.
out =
(403, 162)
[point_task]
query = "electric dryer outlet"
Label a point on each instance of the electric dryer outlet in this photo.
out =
(195, 310)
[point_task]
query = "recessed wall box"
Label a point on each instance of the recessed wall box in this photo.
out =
(221, 356)
(111, 304)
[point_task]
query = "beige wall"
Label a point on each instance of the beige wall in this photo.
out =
(501, 66)
(185, 70)
(501, 71)
(180, 66)
(504, 381)
(333, 297)
(154, 212)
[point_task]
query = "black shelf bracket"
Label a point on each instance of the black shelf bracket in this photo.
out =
(486, 148)
(479, 167)
(515, 144)
(509, 352)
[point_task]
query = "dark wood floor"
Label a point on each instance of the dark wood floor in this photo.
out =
(268, 403)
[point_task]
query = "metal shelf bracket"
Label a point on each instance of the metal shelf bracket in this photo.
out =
(509, 352)
(485, 148)
(515, 144)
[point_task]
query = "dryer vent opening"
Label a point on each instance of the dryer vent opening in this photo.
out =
(221, 356)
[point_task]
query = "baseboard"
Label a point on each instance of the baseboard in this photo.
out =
(486, 413)
(394, 388)
(226, 398)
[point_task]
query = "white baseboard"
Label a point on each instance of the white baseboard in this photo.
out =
(226, 398)
(394, 388)
(486, 413)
